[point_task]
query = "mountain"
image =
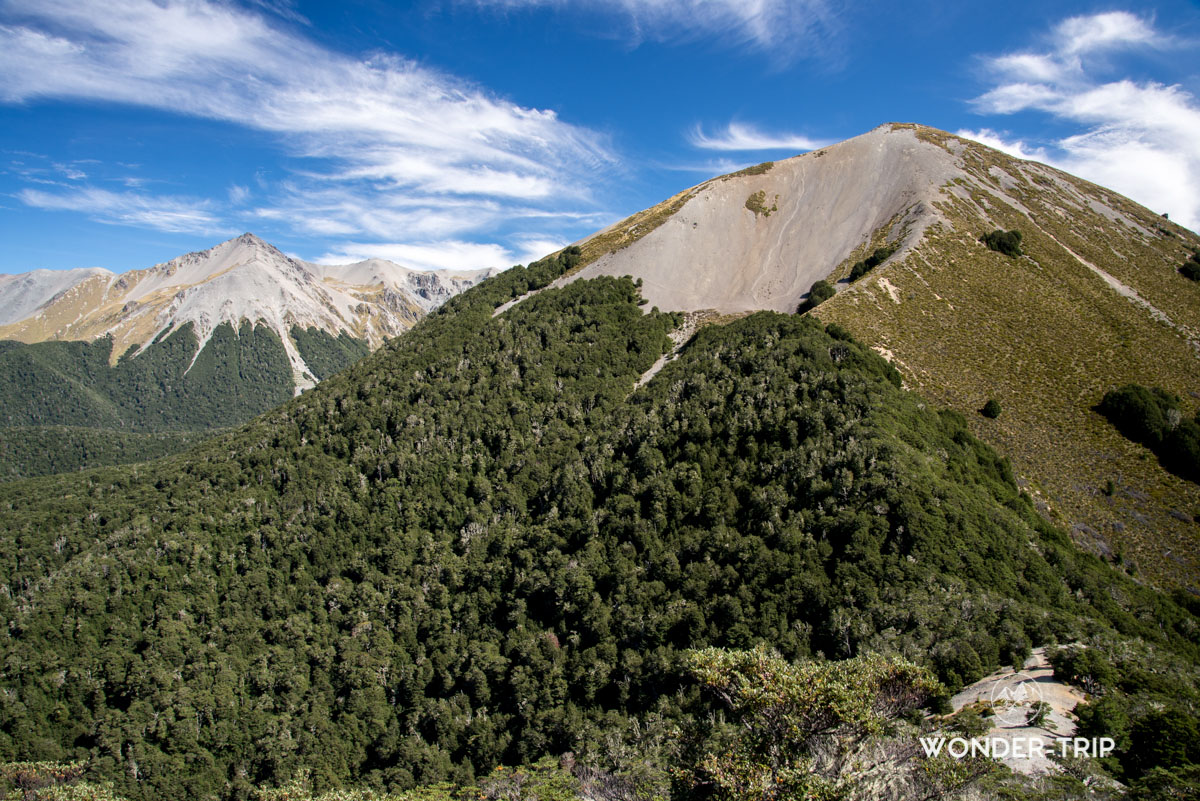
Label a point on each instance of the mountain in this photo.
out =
(559, 524)
(1096, 302)
(205, 341)
(244, 279)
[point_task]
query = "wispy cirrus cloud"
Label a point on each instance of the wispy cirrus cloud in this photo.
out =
(393, 135)
(1137, 137)
(780, 27)
(742, 137)
(174, 214)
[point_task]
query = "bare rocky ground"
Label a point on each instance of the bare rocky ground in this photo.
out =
(1012, 695)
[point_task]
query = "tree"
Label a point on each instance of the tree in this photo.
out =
(1005, 242)
(821, 291)
(991, 409)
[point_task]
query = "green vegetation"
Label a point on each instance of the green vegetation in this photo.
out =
(1005, 242)
(1155, 418)
(864, 266)
(757, 203)
(991, 409)
(1147, 700)
(821, 291)
(168, 387)
(821, 730)
(480, 546)
(325, 354)
(43, 450)
(1191, 268)
(64, 407)
(757, 169)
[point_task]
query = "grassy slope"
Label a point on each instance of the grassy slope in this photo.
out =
(1047, 337)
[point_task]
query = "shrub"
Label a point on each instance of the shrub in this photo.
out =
(1142, 414)
(1191, 268)
(865, 266)
(991, 409)
(757, 203)
(1006, 242)
(1152, 417)
(1180, 451)
(821, 291)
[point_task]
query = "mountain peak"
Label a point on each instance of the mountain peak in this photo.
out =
(241, 279)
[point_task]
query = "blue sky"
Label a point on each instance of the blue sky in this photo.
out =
(463, 133)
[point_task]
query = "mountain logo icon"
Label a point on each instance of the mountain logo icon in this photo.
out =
(1013, 697)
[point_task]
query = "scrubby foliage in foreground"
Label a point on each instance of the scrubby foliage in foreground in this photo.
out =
(479, 546)
(816, 730)
(819, 730)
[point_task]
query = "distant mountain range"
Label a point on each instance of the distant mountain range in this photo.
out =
(244, 279)
(99, 368)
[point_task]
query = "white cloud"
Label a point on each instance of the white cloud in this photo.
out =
(1085, 34)
(1137, 138)
(709, 168)
(532, 248)
(383, 132)
(238, 194)
(1016, 148)
(779, 26)
(178, 215)
(448, 254)
(440, 255)
(738, 136)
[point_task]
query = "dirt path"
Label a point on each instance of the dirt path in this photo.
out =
(1012, 695)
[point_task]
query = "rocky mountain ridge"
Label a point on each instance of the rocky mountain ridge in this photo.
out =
(241, 279)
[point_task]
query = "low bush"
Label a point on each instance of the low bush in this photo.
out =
(1006, 242)
(865, 266)
(821, 291)
(1191, 267)
(1153, 417)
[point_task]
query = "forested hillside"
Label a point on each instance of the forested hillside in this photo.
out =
(64, 407)
(167, 387)
(481, 545)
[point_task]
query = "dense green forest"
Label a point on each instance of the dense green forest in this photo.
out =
(45, 450)
(168, 387)
(63, 407)
(480, 546)
(326, 354)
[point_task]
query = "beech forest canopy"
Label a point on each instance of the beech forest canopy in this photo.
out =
(480, 545)
(66, 408)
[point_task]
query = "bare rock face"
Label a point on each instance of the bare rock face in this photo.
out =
(242, 279)
(760, 240)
